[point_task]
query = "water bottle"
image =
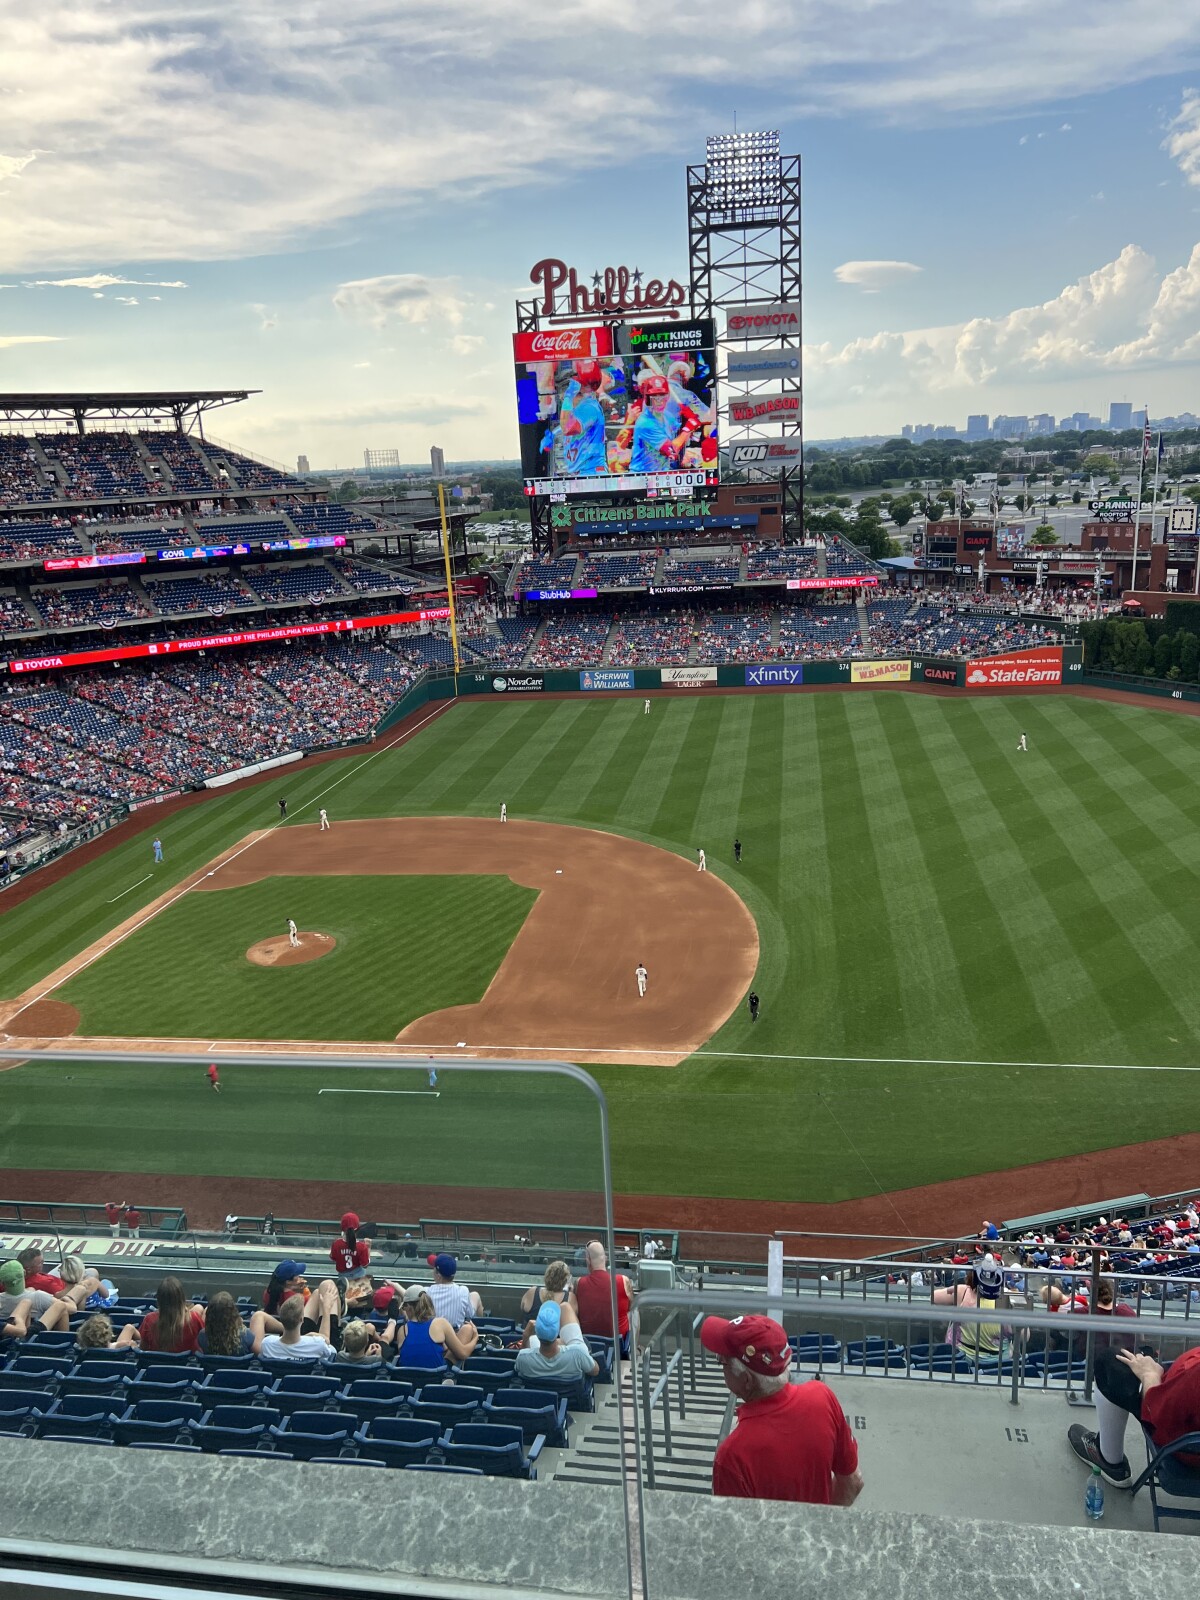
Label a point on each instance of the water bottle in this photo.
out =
(1093, 1499)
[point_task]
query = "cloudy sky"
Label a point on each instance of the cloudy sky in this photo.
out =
(337, 204)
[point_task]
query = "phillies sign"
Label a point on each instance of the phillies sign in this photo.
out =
(1022, 668)
(615, 292)
(562, 344)
(751, 408)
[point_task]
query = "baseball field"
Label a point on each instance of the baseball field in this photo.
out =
(976, 966)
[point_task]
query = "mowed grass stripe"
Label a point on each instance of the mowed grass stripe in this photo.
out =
(641, 802)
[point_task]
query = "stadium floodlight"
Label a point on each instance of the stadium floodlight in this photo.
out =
(742, 169)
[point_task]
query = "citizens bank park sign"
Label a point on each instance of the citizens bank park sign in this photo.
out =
(754, 408)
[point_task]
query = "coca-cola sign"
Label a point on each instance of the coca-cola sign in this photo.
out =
(562, 344)
(614, 292)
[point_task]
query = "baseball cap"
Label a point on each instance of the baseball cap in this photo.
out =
(350, 1220)
(12, 1277)
(413, 1293)
(384, 1297)
(549, 1320)
(289, 1269)
(759, 1343)
(989, 1276)
(445, 1266)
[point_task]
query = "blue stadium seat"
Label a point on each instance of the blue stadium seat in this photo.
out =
(164, 1383)
(487, 1374)
(603, 1353)
(232, 1387)
(577, 1392)
(81, 1415)
(49, 1339)
(1165, 1471)
(446, 1404)
(280, 1369)
(208, 1363)
(534, 1411)
(440, 1466)
(160, 1358)
(126, 1354)
(419, 1377)
(97, 1377)
(314, 1433)
(78, 1438)
(374, 1397)
(396, 1441)
(157, 1422)
(301, 1392)
(234, 1427)
(31, 1372)
(497, 1451)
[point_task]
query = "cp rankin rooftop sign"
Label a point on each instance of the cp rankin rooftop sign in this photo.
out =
(615, 292)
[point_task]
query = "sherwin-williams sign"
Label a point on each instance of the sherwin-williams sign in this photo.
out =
(880, 671)
(610, 678)
(1023, 667)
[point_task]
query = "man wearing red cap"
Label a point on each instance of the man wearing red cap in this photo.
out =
(791, 1441)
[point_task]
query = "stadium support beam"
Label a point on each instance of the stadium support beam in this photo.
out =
(744, 244)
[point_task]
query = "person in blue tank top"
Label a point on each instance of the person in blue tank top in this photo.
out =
(426, 1340)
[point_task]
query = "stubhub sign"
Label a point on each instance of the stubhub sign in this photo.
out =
(785, 674)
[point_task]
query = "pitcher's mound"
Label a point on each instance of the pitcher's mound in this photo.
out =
(280, 952)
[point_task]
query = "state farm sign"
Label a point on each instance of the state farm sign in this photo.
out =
(563, 344)
(753, 408)
(1022, 668)
(749, 322)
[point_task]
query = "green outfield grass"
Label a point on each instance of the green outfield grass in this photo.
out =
(382, 973)
(923, 894)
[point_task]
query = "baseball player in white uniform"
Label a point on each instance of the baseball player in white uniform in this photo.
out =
(324, 815)
(645, 708)
(1021, 745)
(503, 811)
(702, 866)
(293, 936)
(642, 977)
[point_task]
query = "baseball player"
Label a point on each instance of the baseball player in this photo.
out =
(157, 851)
(702, 865)
(293, 936)
(752, 1002)
(213, 1076)
(737, 851)
(282, 808)
(503, 811)
(324, 816)
(645, 708)
(433, 1077)
(642, 977)
(585, 450)
(1021, 745)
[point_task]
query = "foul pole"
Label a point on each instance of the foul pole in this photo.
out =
(449, 579)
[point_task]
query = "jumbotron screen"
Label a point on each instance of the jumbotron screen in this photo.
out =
(627, 407)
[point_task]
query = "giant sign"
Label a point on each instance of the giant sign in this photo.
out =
(757, 407)
(763, 321)
(772, 361)
(615, 292)
(1024, 668)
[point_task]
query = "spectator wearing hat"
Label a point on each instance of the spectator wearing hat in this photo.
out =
(550, 1356)
(790, 1441)
(591, 1298)
(451, 1300)
(22, 1309)
(423, 1339)
(286, 1280)
(983, 1285)
(351, 1256)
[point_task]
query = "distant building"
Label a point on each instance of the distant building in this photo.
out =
(1120, 414)
(1010, 427)
(1040, 424)
(302, 466)
(978, 426)
(381, 461)
(437, 461)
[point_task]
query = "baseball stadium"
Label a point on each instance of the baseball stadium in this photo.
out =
(747, 926)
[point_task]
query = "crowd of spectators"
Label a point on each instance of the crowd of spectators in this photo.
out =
(366, 578)
(949, 629)
(774, 561)
(211, 593)
(717, 569)
(547, 572)
(323, 697)
(646, 638)
(38, 541)
(569, 640)
(99, 466)
(22, 477)
(90, 605)
(310, 581)
(632, 570)
(819, 633)
(734, 636)
(14, 615)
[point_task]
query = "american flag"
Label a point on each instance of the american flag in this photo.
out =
(1146, 436)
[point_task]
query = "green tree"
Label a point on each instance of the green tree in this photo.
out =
(901, 512)
(1019, 500)
(1163, 657)
(1053, 500)
(1143, 653)
(347, 491)
(1076, 497)
(933, 511)
(1044, 535)
(1188, 659)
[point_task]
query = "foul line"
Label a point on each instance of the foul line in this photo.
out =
(249, 845)
(130, 889)
(434, 1094)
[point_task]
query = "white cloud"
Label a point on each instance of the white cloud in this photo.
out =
(463, 344)
(7, 339)
(1124, 316)
(266, 319)
(1182, 143)
(97, 280)
(406, 296)
(871, 276)
(1066, 128)
(127, 300)
(216, 130)
(360, 364)
(1024, 139)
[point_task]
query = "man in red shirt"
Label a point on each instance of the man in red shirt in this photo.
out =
(591, 1298)
(213, 1076)
(114, 1213)
(133, 1221)
(1166, 1400)
(791, 1441)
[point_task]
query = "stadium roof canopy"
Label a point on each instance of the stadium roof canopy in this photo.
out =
(136, 405)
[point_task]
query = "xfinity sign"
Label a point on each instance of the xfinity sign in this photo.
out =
(785, 674)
